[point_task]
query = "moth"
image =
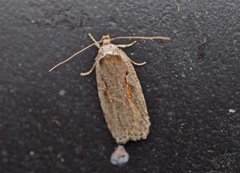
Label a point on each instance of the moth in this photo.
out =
(119, 89)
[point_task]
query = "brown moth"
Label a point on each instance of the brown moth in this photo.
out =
(119, 90)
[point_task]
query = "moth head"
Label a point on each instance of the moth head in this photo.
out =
(106, 39)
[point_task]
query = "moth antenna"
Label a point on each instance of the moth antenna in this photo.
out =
(93, 39)
(80, 51)
(141, 38)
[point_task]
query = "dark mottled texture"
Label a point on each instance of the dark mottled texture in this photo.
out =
(53, 123)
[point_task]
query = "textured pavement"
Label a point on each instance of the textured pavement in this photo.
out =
(53, 123)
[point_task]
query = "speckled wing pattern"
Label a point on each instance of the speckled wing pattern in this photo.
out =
(121, 95)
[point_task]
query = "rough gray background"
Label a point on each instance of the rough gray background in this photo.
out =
(53, 123)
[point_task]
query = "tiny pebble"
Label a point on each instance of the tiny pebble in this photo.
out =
(62, 92)
(231, 110)
(31, 153)
(119, 156)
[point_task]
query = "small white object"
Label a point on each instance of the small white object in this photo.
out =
(119, 156)
(231, 110)
(62, 92)
(32, 153)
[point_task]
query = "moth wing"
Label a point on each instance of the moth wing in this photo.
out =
(121, 98)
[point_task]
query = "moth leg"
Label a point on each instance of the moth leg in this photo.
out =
(137, 63)
(88, 72)
(93, 39)
(126, 45)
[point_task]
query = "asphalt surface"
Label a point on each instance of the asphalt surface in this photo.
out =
(53, 123)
